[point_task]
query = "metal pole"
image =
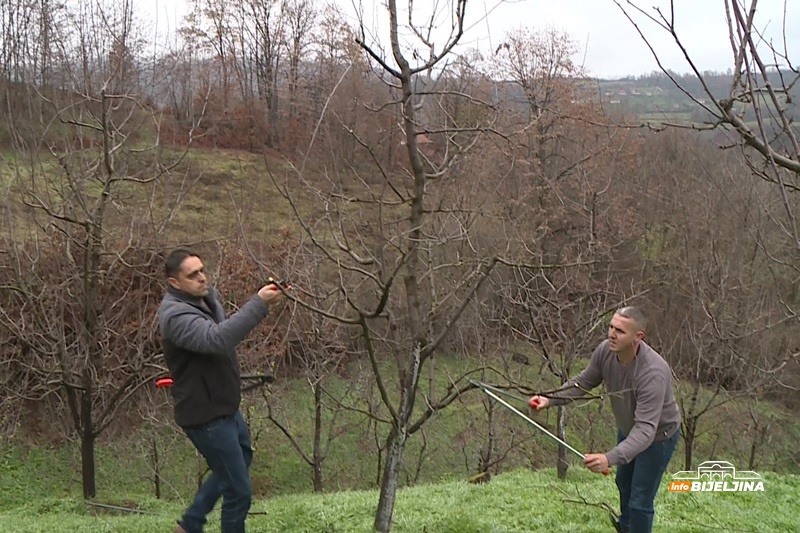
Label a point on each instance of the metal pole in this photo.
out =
(534, 423)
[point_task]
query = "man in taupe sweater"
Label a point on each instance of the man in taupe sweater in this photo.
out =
(639, 383)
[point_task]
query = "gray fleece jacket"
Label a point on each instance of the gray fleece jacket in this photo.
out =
(641, 397)
(200, 351)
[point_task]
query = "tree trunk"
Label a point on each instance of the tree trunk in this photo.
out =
(395, 445)
(562, 465)
(87, 444)
(688, 443)
(156, 468)
(688, 413)
(751, 461)
(758, 438)
(318, 457)
(487, 451)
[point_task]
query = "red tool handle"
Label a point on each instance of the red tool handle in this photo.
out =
(164, 382)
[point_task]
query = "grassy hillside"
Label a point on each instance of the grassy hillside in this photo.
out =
(447, 449)
(207, 194)
(518, 501)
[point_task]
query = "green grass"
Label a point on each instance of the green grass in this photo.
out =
(447, 451)
(231, 191)
(672, 117)
(40, 486)
(513, 502)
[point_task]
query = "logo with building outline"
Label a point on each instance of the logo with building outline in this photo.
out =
(716, 476)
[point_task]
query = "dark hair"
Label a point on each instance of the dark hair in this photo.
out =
(635, 314)
(172, 266)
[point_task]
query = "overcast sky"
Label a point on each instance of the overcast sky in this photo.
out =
(608, 43)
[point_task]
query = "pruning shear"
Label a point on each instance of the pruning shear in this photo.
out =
(488, 390)
(257, 381)
(282, 284)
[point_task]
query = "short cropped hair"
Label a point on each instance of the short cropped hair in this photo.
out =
(172, 266)
(635, 314)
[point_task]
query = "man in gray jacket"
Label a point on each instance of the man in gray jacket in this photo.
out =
(639, 383)
(199, 346)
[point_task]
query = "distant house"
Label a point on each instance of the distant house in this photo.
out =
(425, 144)
(422, 140)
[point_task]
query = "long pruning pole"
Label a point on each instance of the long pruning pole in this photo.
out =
(534, 423)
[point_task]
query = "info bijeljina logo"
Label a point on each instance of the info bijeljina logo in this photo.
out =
(716, 476)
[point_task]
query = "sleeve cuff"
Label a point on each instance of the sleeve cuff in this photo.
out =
(613, 457)
(262, 306)
(557, 402)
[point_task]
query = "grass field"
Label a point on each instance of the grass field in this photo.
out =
(519, 501)
(40, 486)
(447, 448)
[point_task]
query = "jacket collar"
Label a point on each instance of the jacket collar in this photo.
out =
(182, 296)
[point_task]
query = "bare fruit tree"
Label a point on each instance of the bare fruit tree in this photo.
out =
(314, 351)
(567, 197)
(81, 276)
(756, 117)
(400, 262)
(760, 106)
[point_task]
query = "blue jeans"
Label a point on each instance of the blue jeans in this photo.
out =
(638, 483)
(225, 444)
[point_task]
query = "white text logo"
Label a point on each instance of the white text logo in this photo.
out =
(716, 476)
